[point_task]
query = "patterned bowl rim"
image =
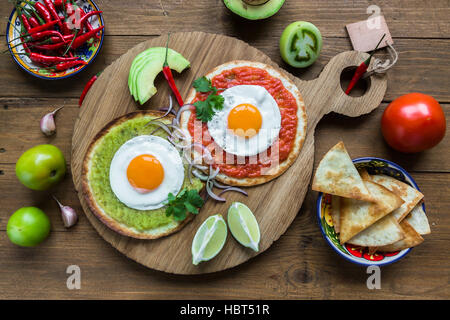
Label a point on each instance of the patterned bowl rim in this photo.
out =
(60, 77)
(347, 256)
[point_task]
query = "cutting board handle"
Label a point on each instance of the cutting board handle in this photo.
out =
(326, 95)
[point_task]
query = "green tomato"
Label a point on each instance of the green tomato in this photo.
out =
(41, 167)
(300, 44)
(28, 226)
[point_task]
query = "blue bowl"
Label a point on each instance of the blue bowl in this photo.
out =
(86, 52)
(349, 252)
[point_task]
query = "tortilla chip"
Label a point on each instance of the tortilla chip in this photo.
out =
(418, 220)
(335, 212)
(408, 194)
(364, 174)
(337, 175)
(383, 232)
(356, 215)
(412, 239)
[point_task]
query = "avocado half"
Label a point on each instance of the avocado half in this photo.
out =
(254, 9)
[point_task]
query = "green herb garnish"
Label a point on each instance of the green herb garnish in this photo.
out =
(185, 201)
(206, 109)
(203, 84)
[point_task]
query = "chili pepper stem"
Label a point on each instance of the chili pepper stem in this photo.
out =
(71, 42)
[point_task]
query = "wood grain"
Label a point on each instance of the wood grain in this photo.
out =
(110, 98)
(300, 265)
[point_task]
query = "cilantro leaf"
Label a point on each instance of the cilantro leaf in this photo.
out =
(206, 109)
(203, 84)
(185, 201)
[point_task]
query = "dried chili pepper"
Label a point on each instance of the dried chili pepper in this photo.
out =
(362, 68)
(169, 77)
(87, 87)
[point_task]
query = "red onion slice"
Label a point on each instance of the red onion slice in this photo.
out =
(213, 174)
(209, 185)
(219, 185)
(169, 109)
(234, 189)
(181, 110)
(199, 175)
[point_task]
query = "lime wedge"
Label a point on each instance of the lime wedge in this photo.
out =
(209, 239)
(243, 225)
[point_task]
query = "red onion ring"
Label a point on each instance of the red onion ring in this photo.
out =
(234, 189)
(181, 110)
(209, 184)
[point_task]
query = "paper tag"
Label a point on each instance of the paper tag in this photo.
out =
(365, 35)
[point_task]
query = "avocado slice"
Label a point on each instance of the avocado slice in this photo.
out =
(146, 66)
(254, 9)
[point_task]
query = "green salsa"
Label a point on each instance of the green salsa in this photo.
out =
(99, 178)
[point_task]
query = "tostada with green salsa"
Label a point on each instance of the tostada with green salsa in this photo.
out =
(131, 172)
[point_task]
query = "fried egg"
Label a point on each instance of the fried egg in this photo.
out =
(249, 122)
(144, 170)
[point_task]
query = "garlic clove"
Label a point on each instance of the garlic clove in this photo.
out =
(68, 214)
(48, 126)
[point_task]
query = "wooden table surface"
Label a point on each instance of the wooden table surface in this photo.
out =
(300, 265)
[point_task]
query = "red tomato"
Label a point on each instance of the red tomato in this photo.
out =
(413, 123)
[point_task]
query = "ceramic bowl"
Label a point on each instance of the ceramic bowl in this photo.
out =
(353, 253)
(86, 52)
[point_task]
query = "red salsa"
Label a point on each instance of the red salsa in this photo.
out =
(243, 168)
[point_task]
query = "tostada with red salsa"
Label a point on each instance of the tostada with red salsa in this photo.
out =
(249, 119)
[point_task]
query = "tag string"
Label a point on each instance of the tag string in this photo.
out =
(380, 66)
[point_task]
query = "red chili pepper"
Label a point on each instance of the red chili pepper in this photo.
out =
(42, 10)
(45, 34)
(169, 77)
(87, 87)
(89, 26)
(50, 47)
(80, 40)
(362, 68)
(52, 10)
(43, 27)
(25, 22)
(33, 22)
(67, 65)
(47, 60)
(67, 38)
(86, 16)
(25, 47)
(58, 4)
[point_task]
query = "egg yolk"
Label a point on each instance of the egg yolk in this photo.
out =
(245, 120)
(145, 173)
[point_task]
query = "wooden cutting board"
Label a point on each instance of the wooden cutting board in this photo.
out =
(275, 204)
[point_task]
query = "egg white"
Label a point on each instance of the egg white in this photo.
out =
(170, 160)
(271, 121)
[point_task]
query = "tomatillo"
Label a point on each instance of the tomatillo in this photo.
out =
(300, 44)
(28, 226)
(41, 167)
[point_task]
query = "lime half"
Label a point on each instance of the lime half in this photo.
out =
(243, 225)
(209, 239)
